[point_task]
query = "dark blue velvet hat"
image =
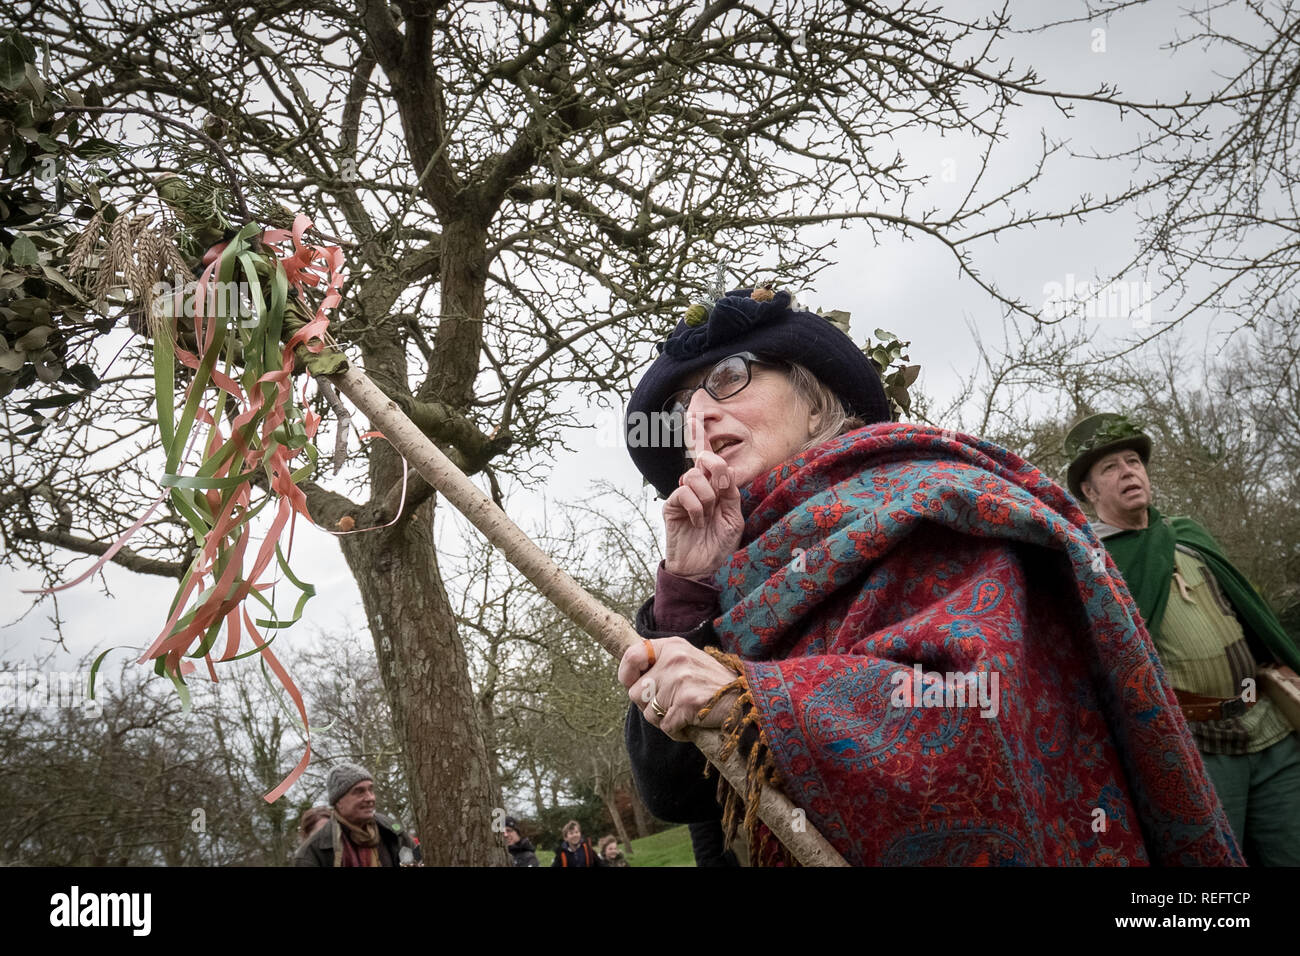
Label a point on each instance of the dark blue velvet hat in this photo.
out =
(738, 323)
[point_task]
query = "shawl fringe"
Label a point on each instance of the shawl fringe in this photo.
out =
(742, 730)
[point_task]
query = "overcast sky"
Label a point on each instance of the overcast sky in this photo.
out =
(909, 288)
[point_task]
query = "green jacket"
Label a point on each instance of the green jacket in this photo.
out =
(1146, 559)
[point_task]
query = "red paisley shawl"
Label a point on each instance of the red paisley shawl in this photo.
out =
(924, 546)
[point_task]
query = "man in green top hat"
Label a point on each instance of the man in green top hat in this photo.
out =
(1210, 628)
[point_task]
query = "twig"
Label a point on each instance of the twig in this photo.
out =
(215, 147)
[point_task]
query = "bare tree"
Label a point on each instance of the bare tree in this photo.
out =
(1220, 229)
(1225, 426)
(130, 778)
(127, 781)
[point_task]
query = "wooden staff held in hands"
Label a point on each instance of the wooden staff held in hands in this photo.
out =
(610, 629)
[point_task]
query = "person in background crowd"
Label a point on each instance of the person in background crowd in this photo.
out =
(608, 852)
(311, 821)
(521, 849)
(357, 835)
(574, 849)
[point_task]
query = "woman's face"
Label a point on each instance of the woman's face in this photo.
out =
(757, 428)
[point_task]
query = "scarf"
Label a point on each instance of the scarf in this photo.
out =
(354, 845)
(939, 674)
(1146, 559)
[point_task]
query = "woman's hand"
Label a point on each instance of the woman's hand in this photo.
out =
(702, 518)
(682, 680)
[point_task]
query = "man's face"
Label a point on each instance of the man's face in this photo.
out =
(357, 806)
(1118, 483)
(512, 836)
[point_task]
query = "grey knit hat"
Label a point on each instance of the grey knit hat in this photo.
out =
(343, 778)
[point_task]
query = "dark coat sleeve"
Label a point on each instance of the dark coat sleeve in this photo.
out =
(669, 774)
(709, 844)
(315, 852)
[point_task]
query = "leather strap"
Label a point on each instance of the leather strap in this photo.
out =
(1198, 707)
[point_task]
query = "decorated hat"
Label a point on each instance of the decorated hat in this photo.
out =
(1097, 436)
(760, 321)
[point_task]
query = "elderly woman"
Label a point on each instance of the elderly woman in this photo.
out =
(914, 634)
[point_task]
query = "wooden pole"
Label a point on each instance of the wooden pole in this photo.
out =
(612, 631)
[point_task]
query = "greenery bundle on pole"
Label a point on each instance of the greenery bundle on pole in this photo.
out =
(253, 442)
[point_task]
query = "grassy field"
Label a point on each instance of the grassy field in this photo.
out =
(669, 848)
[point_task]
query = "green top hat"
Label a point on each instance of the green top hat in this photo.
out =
(1097, 436)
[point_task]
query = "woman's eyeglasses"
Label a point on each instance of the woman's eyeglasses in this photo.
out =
(729, 377)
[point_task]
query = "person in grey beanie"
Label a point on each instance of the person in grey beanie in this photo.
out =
(356, 834)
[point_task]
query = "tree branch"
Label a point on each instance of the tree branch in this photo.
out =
(124, 557)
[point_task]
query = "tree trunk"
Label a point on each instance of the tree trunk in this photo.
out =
(423, 667)
(640, 816)
(538, 805)
(486, 713)
(610, 799)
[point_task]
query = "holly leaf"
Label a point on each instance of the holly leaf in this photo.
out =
(838, 318)
(24, 252)
(60, 400)
(34, 77)
(24, 45)
(48, 367)
(11, 360)
(35, 340)
(83, 375)
(55, 276)
(13, 68)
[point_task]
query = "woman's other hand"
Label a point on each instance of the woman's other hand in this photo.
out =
(702, 518)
